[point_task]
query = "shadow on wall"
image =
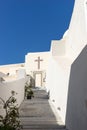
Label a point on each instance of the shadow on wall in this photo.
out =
(76, 116)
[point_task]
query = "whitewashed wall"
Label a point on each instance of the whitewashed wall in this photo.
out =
(67, 78)
(76, 117)
(31, 65)
(11, 68)
(77, 32)
(16, 85)
(57, 84)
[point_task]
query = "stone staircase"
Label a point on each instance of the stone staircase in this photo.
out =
(37, 114)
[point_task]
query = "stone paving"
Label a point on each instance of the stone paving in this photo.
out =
(37, 113)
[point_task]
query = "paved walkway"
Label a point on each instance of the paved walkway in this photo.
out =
(37, 113)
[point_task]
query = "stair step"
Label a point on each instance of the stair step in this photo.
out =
(45, 126)
(37, 114)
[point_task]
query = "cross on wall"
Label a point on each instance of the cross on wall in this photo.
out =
(38, 61)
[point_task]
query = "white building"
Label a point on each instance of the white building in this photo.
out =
(67, 79)
(11, 69)
(9, 83)
(36, 65)
(64, 69)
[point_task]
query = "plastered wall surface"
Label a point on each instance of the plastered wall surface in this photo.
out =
(76, 118)
(16, 85)
(32, 65)
(67, 78)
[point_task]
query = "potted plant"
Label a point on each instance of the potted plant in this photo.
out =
(11, 119)
(28, 91)
(30, 94)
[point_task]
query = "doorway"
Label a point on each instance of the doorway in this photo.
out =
(38, 79)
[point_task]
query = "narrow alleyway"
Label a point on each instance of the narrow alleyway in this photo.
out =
(37, 113)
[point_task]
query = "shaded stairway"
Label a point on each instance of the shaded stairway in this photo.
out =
(36, 114)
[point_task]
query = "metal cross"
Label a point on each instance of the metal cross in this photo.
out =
(38, 61)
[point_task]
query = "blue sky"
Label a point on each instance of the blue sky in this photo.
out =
(30, 25)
